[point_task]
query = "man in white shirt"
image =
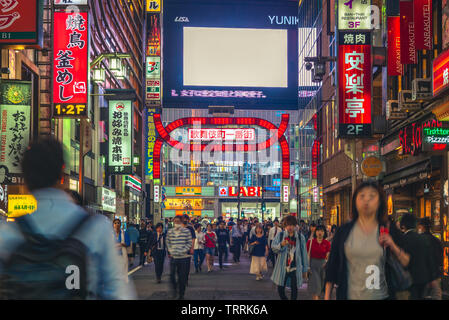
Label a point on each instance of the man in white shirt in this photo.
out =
(271, 236)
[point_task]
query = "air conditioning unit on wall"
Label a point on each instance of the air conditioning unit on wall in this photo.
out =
(406, 103)
(392, 111)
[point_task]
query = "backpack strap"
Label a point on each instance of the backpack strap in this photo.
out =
(27, 230)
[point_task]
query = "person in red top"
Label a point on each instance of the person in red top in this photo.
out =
(209, 247)
(318, 250)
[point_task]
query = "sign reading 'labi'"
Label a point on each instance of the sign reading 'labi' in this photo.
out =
(244, 192)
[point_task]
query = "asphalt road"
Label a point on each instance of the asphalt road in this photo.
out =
(233, 283)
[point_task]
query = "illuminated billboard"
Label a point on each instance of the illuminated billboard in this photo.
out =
(233, 53)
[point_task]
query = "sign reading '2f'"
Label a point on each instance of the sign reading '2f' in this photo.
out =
(354, 84)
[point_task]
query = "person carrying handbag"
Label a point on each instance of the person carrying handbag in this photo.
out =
(359, 246)
(318, 253)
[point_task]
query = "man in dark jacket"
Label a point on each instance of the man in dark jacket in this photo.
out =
(158, 250)
(420, 265)
(144, 238)
(434, 288)
(222, 240)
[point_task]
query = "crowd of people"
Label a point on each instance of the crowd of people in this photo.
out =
(371, 257)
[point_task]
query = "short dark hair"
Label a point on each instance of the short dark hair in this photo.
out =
(197, 226)
(290, 221)
(159, 225)
(177, 217)
(321, 227)
(42, 164)
(381, 211)
(408, 221)
(426, 223)
(113, 221)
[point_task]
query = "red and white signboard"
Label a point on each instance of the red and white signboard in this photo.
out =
(408, 40)
(285, 194)
(156, 193)
(423, 24)
(441, 73)
(354, 88)
(20, 22)
(222, 134)
(244, 192)
(394, 66)
(70, 58)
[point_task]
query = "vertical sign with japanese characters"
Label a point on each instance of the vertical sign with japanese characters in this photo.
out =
(15, 114)
(355, 84)
(408, 41)
(153, 85)
(423, 19)
(394, 66)
(150, 135)
(120, 137)
(70, 60)
(153, 60)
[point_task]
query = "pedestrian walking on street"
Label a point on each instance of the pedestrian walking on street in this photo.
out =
(259, 253)
(58, 221)
(122, 243)
(237, 235)
(211, 243)
(158, 250)
(291, 263)
(332, 233)
(420, 249)
(223, 239)
(144, 241)
(359, 245)
(311, 231)
(134, 238)
(179, 244)
(271, 236)
(433, 289)
(318, 251)
(198, 254)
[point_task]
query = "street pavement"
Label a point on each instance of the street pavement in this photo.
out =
(233, 283)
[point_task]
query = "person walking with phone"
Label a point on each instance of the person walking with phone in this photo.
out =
(258, 252)
(292, 263)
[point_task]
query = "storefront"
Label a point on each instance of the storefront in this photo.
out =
(441, 111)
(193, 201)
(134, 199)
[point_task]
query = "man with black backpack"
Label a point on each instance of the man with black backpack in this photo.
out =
(59, 252)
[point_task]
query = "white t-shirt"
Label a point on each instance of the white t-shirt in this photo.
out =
(273, 233)
(199, 241)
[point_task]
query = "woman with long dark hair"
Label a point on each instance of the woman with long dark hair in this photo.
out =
(357, 262)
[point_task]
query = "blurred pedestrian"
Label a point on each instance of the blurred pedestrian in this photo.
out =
(209, 247)
(433, 289)
(359, 245)
(144, 241)
(122, 243)
(271, 236)
(198, 254)
(318, 250)
(134, 238)
(332, 233)
(311, 231)
(223, 239)
(58, 221)
(179, 244)
(421, 254)
(158, 250)
(291, 263)
(258, 253)
(237, 236)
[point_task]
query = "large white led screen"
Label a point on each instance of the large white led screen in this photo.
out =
(231, 57)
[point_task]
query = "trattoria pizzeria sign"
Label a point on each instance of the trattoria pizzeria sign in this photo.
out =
(411, 137)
